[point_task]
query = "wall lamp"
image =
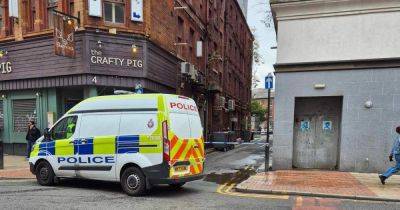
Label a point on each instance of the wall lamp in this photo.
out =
(99, 44)
(134, 49)
(3, 53)
(177, 8)
(180, 43)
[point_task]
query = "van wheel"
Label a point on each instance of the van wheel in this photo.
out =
(45, 174)
(177, 185)
(133, 181)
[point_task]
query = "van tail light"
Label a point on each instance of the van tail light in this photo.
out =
(166, 145)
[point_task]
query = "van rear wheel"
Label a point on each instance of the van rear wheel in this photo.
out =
(133, 181)
(45, 174)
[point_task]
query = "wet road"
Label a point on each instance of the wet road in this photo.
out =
(220, 167)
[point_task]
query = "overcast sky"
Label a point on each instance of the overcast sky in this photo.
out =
(259, 10)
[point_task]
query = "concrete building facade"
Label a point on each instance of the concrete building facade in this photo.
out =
(337, 99)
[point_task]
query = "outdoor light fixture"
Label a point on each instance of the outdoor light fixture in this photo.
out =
(134, 49)
(37, 94)
(69, 21)
(3, 96)
(319, 86)
(99, 44)
(3, 53)
(368, 104)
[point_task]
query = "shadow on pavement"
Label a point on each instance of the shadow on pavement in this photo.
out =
(157, 191)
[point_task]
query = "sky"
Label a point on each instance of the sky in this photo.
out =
(259, 10)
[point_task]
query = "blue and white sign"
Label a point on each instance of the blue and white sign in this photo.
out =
(137, 10)
(139, 89)
(269, 81)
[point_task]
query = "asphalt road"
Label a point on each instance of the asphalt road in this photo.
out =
(205, 194)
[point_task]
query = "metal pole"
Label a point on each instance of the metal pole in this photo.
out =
(267, 145)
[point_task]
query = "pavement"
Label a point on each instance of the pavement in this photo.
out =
(223, 170)
(15, 167)
(346, 185)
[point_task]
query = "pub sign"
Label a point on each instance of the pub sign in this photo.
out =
(64, 41)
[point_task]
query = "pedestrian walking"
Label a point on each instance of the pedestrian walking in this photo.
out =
(396, 153)
(31, 136)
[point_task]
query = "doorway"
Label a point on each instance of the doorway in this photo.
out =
(316, 132)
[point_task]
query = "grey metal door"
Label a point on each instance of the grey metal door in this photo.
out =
(316, 133)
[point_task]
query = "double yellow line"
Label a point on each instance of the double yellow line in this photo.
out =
(226, 189)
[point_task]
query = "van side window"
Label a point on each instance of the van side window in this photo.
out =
(99, 125)
(138, 123)
(65, 128)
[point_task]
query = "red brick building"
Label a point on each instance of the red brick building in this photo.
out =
(201, 49)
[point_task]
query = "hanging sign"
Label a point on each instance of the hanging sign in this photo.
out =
(64, 42)
(5, 63)
(137, 10)
(13, 8)
(95, 8)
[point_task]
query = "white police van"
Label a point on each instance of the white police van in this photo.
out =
(137, 140)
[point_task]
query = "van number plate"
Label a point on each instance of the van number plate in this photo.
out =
(180, 168)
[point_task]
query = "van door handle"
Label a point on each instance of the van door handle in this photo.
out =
(84, 141)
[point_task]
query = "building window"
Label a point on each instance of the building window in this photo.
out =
(29, 14)
(71, 7)
(51, 5)
(114, 12)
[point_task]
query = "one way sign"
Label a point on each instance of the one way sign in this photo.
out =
(269, 81)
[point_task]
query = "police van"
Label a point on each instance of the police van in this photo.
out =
(138, 140)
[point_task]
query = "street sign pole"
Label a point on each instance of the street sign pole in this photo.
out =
(267, 145)
(269, 84)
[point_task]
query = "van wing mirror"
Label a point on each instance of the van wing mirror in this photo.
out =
(46, 133)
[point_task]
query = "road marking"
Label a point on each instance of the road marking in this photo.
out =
(226, 189)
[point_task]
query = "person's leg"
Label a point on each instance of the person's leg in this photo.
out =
(28, 149)
(394, 169)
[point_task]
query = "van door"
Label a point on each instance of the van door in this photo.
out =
(96, 146)
(187, 147)
(63, 136)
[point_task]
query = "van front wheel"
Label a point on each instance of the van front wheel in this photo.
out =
(133, 181)
(45, 174)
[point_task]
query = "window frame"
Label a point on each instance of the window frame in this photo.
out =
(52, 130)
(114, 2)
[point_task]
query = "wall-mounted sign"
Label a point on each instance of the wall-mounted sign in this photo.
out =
(95, 8)
(97, 57)
(64, 43)
(304, 125)
(137, 10)
(326, 125)
(13, 8)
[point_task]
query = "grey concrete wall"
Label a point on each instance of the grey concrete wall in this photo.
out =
(366, 134)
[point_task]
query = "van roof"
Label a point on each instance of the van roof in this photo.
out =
(128, 102)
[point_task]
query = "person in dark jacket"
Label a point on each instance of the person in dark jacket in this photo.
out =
(31, 136)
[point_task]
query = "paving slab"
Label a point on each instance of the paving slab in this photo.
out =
(361, 186)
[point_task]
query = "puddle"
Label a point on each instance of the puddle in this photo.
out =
(230, 177)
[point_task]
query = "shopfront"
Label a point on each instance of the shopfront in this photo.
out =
(37, 84)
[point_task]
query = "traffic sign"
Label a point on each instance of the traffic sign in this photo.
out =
(269, 81)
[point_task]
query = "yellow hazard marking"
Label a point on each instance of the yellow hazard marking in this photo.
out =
(103, 145)
(226, 189)
(64, 147)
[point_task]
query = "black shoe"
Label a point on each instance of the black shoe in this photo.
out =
(382, 178)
